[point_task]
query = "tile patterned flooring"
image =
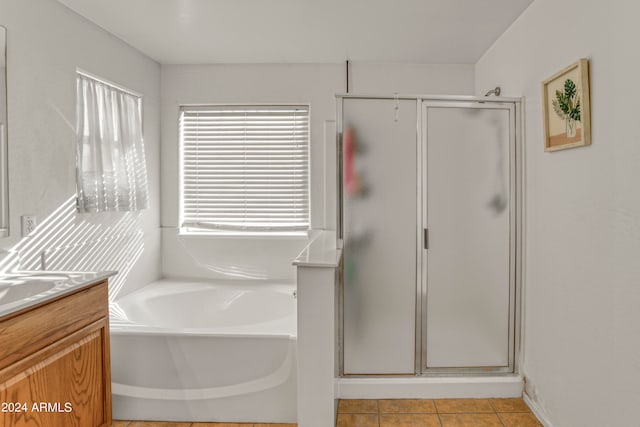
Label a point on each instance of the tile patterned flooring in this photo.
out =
(436, 413)
(404, 413)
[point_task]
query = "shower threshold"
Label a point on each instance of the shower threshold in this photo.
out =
(429, 387)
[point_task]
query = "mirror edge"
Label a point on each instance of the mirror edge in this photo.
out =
(4, 151)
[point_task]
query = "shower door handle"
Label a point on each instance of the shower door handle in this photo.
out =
(425, 238)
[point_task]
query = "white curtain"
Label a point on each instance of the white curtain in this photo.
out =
(111, 170)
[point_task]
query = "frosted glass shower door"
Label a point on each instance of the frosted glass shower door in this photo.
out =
(380, 223)
(469, 208)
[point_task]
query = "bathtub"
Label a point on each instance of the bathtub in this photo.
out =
(205, 351)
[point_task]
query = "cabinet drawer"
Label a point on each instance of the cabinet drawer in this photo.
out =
(33, 330)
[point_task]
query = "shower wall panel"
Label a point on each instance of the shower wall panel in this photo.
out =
(380, 234)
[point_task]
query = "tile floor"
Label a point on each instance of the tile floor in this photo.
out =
(436, 413)
(404, 413)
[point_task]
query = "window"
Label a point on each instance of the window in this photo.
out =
(245, 168)
(111, 169)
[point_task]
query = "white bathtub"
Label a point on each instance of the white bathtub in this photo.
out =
(205, 351)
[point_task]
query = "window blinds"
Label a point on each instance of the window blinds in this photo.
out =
(245, 167)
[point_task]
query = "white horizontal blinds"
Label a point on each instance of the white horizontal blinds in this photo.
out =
(245, 167)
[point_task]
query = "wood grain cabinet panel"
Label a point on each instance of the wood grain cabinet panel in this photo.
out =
(31, 330)
(65, 384)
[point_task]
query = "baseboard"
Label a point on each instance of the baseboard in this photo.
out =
(536, 411)
(430, 387)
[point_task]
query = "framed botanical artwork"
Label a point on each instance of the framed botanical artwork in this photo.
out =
(567, 108)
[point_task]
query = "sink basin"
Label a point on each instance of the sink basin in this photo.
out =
(20, 290)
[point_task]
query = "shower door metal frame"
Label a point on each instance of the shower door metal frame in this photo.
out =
(514, 105)
(513, 322)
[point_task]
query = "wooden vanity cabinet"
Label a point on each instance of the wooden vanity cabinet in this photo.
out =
(54, 362)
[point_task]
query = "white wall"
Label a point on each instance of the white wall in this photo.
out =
(582, 323)
(315, 84)
(427, 79)
(46, 42)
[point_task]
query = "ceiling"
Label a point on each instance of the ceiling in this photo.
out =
(290, 31)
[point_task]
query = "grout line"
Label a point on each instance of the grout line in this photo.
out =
(500, 419)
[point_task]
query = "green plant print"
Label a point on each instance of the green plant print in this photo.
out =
(567, 104)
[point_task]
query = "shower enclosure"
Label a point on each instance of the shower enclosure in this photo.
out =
(429, 219)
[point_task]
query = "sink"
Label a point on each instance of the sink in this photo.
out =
(12, 291)
(23, 289)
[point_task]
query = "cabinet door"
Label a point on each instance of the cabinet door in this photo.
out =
(66, 384)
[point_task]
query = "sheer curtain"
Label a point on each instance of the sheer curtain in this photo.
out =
(111, 170)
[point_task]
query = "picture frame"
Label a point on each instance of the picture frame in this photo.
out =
(566, 106)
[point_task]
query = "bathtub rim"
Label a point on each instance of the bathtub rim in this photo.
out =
(135, 329)
(120, 326)
(279, 283)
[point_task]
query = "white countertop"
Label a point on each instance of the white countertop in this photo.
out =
(320, 252)
(23, 289)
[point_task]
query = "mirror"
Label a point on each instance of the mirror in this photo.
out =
(4, 165)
